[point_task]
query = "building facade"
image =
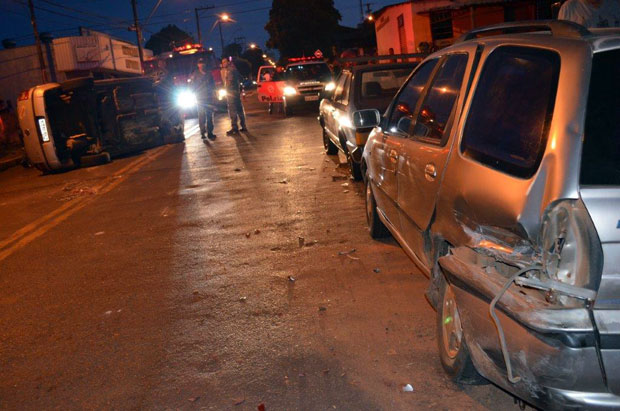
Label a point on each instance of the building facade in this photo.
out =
(417, 26)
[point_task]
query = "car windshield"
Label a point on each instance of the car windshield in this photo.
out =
(382, 84)
(309, 72)
(600, 162)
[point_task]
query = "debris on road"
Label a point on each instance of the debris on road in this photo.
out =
(99, 233)
(301, 241)
(291, 278)
(321, 308)
(408, 388)
(345, 191)
(376, 270)
(275, 248)
(351, 251)
(338, 178)
(261, 407)
(257, 231)
(237, 170)
(311, 243)
(248, 234)
(193, 399)
(283, 181)
(243, 299)
(344, 185)
(239, 401)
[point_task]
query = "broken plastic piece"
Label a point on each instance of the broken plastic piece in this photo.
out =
(408, 388)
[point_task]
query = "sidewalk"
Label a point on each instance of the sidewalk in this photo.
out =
(10, 157)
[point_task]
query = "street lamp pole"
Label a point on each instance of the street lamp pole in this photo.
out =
(37, 40)
(221, 37)
(138, 33)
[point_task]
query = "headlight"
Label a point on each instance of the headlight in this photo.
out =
(330, 86)
(289, 91)
(43, 129)
(187, 99)
(221, 94)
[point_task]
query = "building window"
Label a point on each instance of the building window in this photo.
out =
(441, 25)
(402, 35)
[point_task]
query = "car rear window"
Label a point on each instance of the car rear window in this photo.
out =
(382, 84)
(511, 111)
(600, 162)
(309, 72)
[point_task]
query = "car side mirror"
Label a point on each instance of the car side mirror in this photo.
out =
(366, 118)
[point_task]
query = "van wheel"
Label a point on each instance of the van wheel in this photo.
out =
(95, 159)
(355, 168)
(453, 351)
(330, 147)
(376, 227)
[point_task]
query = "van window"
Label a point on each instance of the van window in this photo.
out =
(404, 106)
(436, 110)
(511, 111)
(600, 162)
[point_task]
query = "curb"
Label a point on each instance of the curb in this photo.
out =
(10, 162)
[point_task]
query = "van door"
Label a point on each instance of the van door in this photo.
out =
(424, 153)
(393, 133)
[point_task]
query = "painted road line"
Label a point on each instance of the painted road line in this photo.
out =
(33, 231)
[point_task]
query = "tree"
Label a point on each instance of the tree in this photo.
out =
(299, 27)
(168, 38)
(232, 50)
(255, 57)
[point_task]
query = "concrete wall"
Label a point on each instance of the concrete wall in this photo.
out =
(20, 70)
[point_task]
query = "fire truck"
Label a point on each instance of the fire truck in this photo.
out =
(176, 67)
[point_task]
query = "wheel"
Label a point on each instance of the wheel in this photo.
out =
(95, 159)
(330, 147)
(355, 168)
(453, 351)
(375, 226)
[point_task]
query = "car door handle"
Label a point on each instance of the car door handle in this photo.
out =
(430, 171)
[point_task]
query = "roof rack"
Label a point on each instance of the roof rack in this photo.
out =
(558, 28)
(368, 59)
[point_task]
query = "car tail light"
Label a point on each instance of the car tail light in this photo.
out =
(23, 95)
(43, 129)
(571, 249)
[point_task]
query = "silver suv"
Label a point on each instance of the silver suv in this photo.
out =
(497, 168)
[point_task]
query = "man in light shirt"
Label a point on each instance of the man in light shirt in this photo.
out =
(592, 13)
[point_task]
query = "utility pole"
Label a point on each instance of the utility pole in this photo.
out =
(219, 23)
(196, 10)
(362, 10)
(138, 33)
(37, 39)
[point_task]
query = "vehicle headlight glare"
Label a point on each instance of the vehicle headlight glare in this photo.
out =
(330, 86)
(289, 91)
(187, 99)
(221, 94)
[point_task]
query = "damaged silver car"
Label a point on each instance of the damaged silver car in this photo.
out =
(497, 168)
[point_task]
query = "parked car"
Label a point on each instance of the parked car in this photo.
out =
(308, 80)
(497, 169)
(85, 122)
(364, 87)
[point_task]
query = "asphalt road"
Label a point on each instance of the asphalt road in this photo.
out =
(177, 279)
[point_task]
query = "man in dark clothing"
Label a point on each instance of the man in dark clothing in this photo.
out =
(204, 87)
(232, 84)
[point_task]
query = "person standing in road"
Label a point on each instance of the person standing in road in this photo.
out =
(592, 13)
(232, 85)
(204, 87)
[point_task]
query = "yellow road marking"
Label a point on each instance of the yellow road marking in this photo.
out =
(40, 226)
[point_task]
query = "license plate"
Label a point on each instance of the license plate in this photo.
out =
(312, 98)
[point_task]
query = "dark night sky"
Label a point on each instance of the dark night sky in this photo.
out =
(62, 17)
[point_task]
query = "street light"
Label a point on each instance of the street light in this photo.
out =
(264, 56)
(252, 45)
(223, 19)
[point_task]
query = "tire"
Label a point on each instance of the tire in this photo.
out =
(355, 168)
(376, 228)
(453, 351)
(95, 159)
(328, 144)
